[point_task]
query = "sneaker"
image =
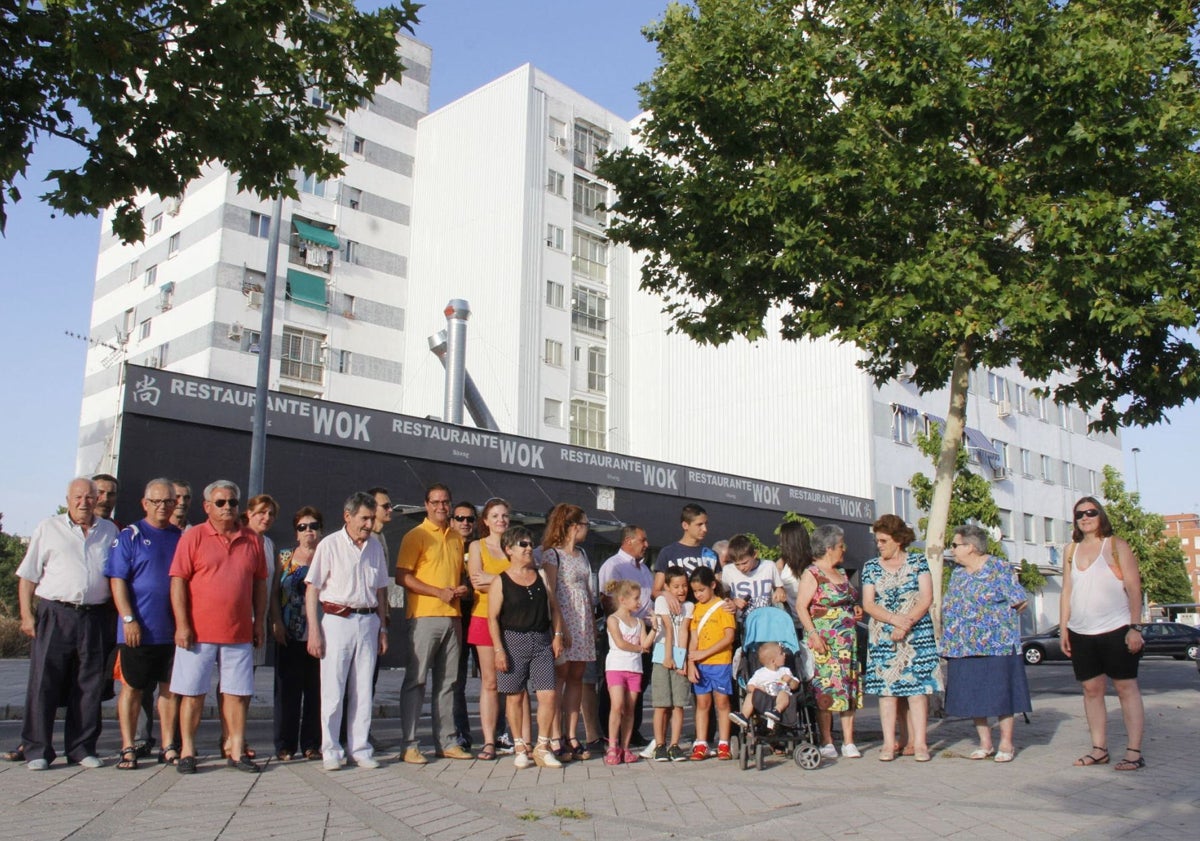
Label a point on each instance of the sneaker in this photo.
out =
(676, 754)
(723, 751)
(850, 751)
(413, 756)
(331, 763)
(828, 751)
(37, 765)
(649, 750)
(739, 720)
(504, 745)
(770, 715)
(91, 762)
(660, 754)
(454, 752)
(368, 762)
(699, 751)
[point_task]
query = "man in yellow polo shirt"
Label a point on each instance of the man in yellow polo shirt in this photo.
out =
(430, 568)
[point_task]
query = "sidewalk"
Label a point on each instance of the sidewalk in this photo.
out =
(1039, 796)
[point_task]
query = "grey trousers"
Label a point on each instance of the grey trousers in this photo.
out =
(434, 643)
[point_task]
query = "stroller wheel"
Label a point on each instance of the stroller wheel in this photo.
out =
(760, 753)
(743, 754)
(807, 756)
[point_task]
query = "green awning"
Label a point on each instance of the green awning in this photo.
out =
(320, 236)
(306, 289)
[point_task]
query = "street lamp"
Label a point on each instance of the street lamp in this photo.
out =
(1137, 484)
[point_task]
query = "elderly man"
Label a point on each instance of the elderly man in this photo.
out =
(348, 578)
(219, 596)
(430, 568)
(183, 502)
(139, 572)
(72, 628)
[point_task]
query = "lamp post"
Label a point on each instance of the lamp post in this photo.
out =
(1137, 484)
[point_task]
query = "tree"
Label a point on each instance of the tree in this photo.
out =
(153, 90)
(1161, 560)
(945, 185)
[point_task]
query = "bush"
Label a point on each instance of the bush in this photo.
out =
(12, 642)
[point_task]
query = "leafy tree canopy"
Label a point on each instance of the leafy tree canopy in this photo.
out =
(152, 90)
(942, 183)
(1160, 559)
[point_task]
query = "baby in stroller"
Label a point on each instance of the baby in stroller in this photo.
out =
(769, 690)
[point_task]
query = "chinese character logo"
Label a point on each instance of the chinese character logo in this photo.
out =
(145, 391)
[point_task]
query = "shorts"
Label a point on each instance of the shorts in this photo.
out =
(1093, 655)
(668, 688)
(632, 681)
(146, 665)
(715, 679)
(530, 660)
(478, 632)
(193, 670)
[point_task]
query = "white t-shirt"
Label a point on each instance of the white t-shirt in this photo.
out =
(679, 621)
(755, 586)
(773, 681)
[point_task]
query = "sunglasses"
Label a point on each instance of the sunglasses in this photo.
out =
(525, 544)
(1090, 512)
(466, 519)
(308, 526)
(221, 503)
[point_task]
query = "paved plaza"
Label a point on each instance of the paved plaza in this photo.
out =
(1039, 796)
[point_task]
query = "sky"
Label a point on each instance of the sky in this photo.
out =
(47, 262)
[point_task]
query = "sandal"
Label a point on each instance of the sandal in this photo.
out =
(1090, 757)
(285, 756)
(186, 765)
(488, 753)
(17, 755)
(613, 755)
(163, 759)
(563, 754)
(1131, 764)
(129, 759)
(579, 752)
(982, 753)
(145, 747)
(312, 753)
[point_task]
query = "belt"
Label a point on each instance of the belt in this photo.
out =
(80, 608)
(343, 610)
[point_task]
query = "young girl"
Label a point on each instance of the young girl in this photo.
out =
(628, 637)
(669, 687)
(710, 655)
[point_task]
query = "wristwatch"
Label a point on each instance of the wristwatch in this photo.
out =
(127, 619)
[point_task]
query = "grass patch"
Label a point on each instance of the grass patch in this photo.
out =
(528, 816)
(569, 812)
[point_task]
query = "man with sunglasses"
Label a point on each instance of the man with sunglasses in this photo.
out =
(462, 520)
(219, 596)
(430, 568)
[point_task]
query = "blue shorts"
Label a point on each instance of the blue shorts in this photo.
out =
(715, 679)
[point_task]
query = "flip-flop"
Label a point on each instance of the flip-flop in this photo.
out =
(1004, 756)
(980, 753)
(488, 753)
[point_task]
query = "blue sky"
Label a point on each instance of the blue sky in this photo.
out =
(49, 262)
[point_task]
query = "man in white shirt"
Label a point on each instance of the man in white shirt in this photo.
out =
(73, 628)
(348, 578)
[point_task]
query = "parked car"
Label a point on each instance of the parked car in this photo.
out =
(1044, 646)
(1172, 638)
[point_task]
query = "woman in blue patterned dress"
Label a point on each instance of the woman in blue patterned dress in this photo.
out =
(902, 656)
(981, 642)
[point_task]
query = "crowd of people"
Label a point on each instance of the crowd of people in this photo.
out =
(162, 605)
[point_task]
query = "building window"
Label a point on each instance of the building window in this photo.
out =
(302, 356)
(555, 294)
(589, 424)
(1026, 463)
(351, 253)
(597, 369)
(173, 245)
(556, 183)
(554, 353)
(343, 362)
(151, 276)
(1001, 460)
(1048, 530)
(144, 331)
(348, 304)
(1021, 399)
(997, 388)
(353, 197)
(1068, 474)
(166, 296)
(902, 504)
(589, 255)
(1063, 415)
(554, 237)
(904, 425)
(1039, 407)
(1006, 524)
(590, 199)
(127, 323)
(251, 341)
(133, 271)
(589, 311)
(590, 143)
(1027, 526)
(358, 146)
(552, 412)
(260, 225)
(313, 186)
(558, 136)
(155, 224)
(1047, 469)
(1093, 486)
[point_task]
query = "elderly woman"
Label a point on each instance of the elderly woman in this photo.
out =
(527, 635)
(297, 673)
(981, 642)
(902, 658)
(826, 607)
(1100, 608)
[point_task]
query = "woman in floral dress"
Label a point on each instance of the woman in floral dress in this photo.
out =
(569, 576)
(826, 607)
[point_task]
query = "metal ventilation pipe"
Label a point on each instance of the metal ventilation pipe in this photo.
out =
(457, 312)
(476, 405)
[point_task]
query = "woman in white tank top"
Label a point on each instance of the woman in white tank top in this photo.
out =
(1100, 608)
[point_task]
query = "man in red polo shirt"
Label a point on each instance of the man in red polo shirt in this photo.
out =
(219, 595)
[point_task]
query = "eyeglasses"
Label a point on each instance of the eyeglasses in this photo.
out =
(467, 519)
(308, 526)
(438, 502)
(160, 503)
(221, 503)
(525, 544)
(1090, 512)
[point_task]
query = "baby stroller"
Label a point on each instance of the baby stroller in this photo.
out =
(797, 731)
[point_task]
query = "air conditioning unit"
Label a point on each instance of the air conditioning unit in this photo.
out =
(906, 376)
(1000, 474)
(235, 331)
(152, 362)
(254, 300)
(1003, 409)
(173, 205)
(560, 145)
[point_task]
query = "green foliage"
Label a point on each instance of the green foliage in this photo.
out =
(1031, 577)
(970, 501)
(771, 553)
(1015, 181)
(153, 90)
(12, 551)
(1161, 560)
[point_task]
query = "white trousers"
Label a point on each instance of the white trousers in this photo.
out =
(351, 648)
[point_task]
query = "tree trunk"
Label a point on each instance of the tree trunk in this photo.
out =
(939, 509)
